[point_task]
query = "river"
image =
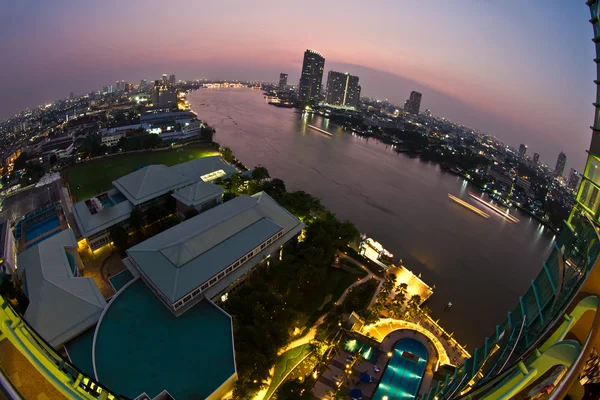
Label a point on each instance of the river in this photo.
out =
(480, 265)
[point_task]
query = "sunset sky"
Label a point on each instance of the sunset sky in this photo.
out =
(520, 70)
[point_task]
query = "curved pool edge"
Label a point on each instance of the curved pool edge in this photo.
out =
(135, 279)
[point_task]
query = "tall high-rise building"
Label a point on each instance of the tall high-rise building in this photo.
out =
(165, 79)
(163, 95)
(536, 158)
(309, 87)
(172, 79)
(413, 104)
(143, 84)
(561, 161)
(282, 81)
(574, 179)
(342, 89)
(522, 150)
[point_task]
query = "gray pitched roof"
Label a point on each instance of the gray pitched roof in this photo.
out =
(181, 258)
(150, 182)
(60, 305)
(198, 167)
(198, 193)
(90, 224)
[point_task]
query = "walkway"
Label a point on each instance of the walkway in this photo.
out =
(24, 377)
(310, 335)
(449, 352)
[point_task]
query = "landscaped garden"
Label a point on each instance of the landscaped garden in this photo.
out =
(91, 178)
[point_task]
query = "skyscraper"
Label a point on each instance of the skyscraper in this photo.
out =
(282, 81)
(309, 88)
(165, 79)
(172, 79)
(342, 89)
(574, 179)
(522, 150)
(163, 95)
(560, 164)
(536, 158)
(413, 104)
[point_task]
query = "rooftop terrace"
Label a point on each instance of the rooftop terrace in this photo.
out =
(141, 347)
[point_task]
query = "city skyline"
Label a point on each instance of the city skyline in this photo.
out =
(49, 64)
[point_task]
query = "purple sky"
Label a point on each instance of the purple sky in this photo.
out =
(519, 70)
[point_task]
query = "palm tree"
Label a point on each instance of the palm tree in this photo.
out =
(402, 288)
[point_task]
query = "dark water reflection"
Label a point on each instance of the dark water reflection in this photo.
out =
(481, 265)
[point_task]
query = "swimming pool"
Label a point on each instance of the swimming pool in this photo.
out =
(30, 245)
(46, 225)
(354, 346)
(402, 376)
(121, 279)
(118, 198)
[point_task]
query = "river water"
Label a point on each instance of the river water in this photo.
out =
(480, 265)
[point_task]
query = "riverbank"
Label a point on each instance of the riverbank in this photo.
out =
(401, 201)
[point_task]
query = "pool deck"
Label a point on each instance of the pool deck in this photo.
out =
(387, 334)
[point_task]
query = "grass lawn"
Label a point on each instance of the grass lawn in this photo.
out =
(89, 179)
(285, 364)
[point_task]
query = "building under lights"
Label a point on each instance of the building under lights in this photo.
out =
(545, 348)
(189, 183)
(160, 336)
(311, 78)
(342, 89)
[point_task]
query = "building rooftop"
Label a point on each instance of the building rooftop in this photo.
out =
(150, 182)
(204, 168)
(61, 305)
(181, 258)
(141, 346)
(90, 224)
(198, 193)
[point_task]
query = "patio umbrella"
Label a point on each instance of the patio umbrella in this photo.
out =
(365, 378)
(356, 394)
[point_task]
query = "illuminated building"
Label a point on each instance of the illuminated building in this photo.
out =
(413, 104)
(309, 88)
(536, 158)
(522, 150)
(342, 89)
(163, 95)
(172, 80)
(560, 164)
(144, 188)
(545, 343)
(282, 81)
(574, 179)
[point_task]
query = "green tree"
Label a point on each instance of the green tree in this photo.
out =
(402, 289)
(260, 173)
(293, 390)
(388, 285)
(92, 145)
(412, 307)
(227, 154)
(136, 218)
(228, 196)
(119, 236)
(21, 161)
(275, 188)
(234, 183)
